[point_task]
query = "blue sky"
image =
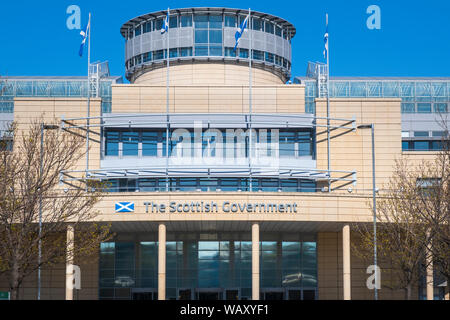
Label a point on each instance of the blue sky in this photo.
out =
(414, 39)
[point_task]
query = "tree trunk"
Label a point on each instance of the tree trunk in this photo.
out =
(14, 282)
(408, 292)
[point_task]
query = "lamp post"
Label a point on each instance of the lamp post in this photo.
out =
(41, 170)
(372, 127)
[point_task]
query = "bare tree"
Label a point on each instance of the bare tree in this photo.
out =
(29, 180)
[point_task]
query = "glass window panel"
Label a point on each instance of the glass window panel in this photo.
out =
(159, 54)
(391, 89)
(201, 36)
(289, 185)
(137, 31)
(257, 24)
(147, 27)
(407, 89)
(230, 52)
(358, 89)
(215, 22)
(405, 145)
(173, 22)
(258, 55)
(269, 245)
(269, 27)
(374, 89)
(421, 145)
(269, 185)
(269, 57)
(201, 21)
(147, 56)
(243, 53)
(421, 134)
(408, 107)
(423, 89)
(307, 186)
(436, 145)
(291, 246)
(215, 36)
(440, 107)
(173, 53)
(201, 50)
(130, 143)
(287, 143)
(112, 143)
(424, 107)
(158, 24)
(439, 89)
(186, 52)
(186, 21)
(438, 134)
(230, 21)
(278, 31)
(215, 51)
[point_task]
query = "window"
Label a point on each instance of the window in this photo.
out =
(408, 107)
(201, 36)
(439, 134)
(201, 50)
(6, 144)
(278, 31)
(304, 143)
(201, 21)
(230, 21)
(257, 24)
(420, 145)
(287, 144)
(215, 22)
(130, 142)
(421, 134)
(147, 57)
(405, 145)
(186, 52)
(269, 57)
(424, 107)
(159, 54)
(440, 108)
(215, 36)
(173, 53)
(147, 27)
(269, 27)
(243, 53)
(186, 21)
(215, 51)
(158, 24)
(258, 55)
(150, 143)
(173, 22)
(112, 143)
(229, 52)
(137, 31)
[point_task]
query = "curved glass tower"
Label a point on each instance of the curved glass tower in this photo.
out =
(199, 35)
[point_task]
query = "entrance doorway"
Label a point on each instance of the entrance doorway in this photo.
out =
(144, 294)
(209, 294)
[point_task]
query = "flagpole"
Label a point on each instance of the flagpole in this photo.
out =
(88, 98)
(167, 101)
(250, 97)
(328, 104)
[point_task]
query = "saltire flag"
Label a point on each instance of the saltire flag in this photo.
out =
(165, 26)
(84, 34)
(240, 31)
(325, 39)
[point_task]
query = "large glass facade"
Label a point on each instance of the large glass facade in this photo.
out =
(424, 96)
(206, 269)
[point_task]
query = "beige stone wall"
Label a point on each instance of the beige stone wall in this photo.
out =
(211, 98)
(353, 150)
(53, 110)
(208, 73)
(53, 282)
(330, 273)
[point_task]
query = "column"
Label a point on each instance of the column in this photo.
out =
(346, 262)
(255, 261)
(162, 262)
(69, 261)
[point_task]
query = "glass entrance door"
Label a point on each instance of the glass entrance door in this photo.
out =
(209, 294)
(144, 294)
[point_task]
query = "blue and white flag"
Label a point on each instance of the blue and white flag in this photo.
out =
(240, 32)
(124, 206)
(165, 26)
(84, 34)
(325, 39)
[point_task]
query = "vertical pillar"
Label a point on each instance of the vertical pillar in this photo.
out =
(162, 262)
(69, 261)
(346, 262)
(255, 261)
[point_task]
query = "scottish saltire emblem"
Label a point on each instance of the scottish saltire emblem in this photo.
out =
(124, 207)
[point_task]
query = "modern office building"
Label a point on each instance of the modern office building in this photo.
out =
(224, 184)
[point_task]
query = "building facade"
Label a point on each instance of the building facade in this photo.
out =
(223, 181)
